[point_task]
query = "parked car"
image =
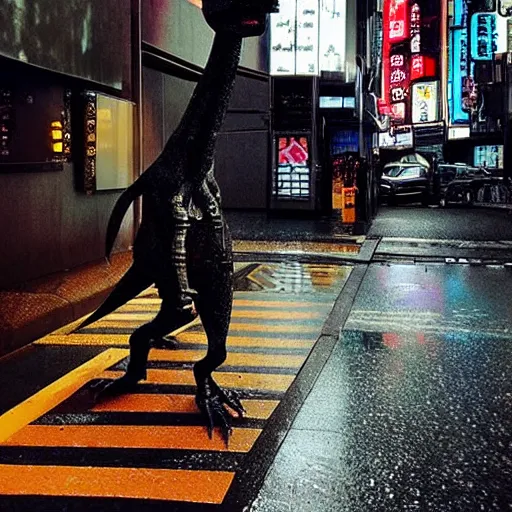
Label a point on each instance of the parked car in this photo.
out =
(405, 182)
(460, 183)
(411, 158)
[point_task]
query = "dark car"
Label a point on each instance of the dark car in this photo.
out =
(405, 183)
(463, 184)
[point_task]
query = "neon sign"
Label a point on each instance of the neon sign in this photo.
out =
(488, 35)
(398, 21)
(460, 73)
(415, 28)
(489, 156)
(398, 78)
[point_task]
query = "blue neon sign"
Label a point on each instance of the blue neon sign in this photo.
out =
(484, 36)
(459, 71)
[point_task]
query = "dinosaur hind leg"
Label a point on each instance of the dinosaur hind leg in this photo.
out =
(214, 304)
(169, 318)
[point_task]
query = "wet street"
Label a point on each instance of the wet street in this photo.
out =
(368, 386)
(413, 410)
(453, 223)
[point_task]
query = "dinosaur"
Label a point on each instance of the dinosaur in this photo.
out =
(183, 245)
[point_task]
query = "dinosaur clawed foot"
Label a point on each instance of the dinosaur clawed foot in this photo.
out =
(218, 406)
(105, 389)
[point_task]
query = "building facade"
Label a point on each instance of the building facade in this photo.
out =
(89, 92)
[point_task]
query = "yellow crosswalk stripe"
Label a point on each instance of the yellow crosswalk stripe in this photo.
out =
(184, 338)
(262, 381)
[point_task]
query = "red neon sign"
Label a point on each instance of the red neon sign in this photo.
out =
(396, 28)
(423, 66)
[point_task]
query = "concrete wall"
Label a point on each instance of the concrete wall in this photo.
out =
(48, 226)
(178, 27)
(242, 147)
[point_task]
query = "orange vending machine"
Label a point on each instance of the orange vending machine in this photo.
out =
(344, 189)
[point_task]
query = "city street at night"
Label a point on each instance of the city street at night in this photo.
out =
(256, 255)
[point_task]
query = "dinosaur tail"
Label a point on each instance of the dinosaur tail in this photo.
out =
(119, 211)
(130, 285)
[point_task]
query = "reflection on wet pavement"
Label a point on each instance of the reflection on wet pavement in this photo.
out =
(294, 277)
(296, 247)
(413, 411)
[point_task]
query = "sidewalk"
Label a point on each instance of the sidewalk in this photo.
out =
(36, 308)
(33, 309)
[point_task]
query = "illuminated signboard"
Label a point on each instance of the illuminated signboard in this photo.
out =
(331, 102)
(332, 34)
(489, 156)
(293, 173)
(398, 112)
(307, 37)
(460, 74)
(505, 7)
(459, 132)
(398, 140)
(398, 21)
(425, 102)
(423, 66)
(488, 35)
(282, 47)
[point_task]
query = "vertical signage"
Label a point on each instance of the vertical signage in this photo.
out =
(398, 86)
(415, 28)
(488, 35)
(332, 34)
(282, 47)
(307, 37)
(460, 75)
(461, 94)
(411, 49)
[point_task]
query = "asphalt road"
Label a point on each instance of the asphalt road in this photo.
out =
(413, 410)
(442, 223)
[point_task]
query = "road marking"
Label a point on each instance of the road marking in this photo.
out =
(133, 436)
(143, 483)
(262, 381)
(43, 401)
(184, 339)
(233, 358)
(177, 404)
(283, 314)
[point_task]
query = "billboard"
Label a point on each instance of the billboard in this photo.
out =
(397, 140)
(83, 38)
(307, 37)
(425, 101)
(292, 180)
(490, 156)
(488, 35)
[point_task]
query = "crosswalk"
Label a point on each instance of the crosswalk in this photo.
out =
(152, 444)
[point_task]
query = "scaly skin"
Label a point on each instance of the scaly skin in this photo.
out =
(183, 245)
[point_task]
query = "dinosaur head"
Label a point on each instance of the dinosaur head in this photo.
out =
(245, 18)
